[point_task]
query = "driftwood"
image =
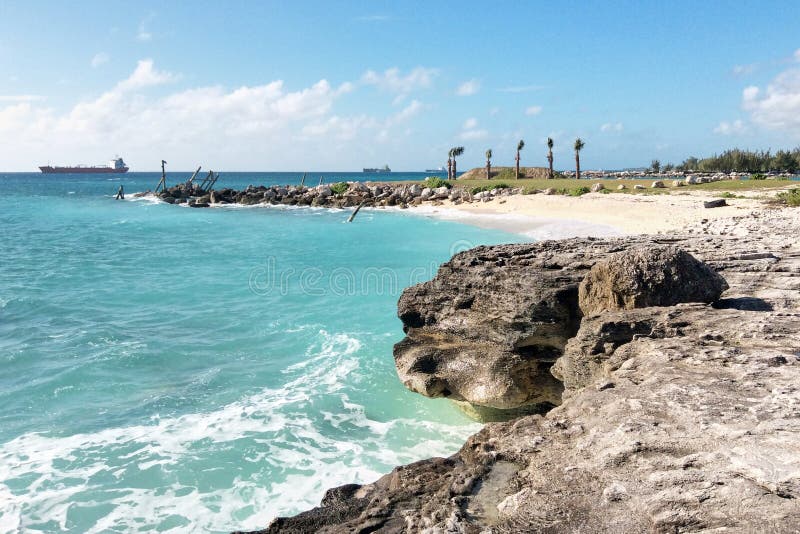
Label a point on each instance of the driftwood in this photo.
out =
(353, 215)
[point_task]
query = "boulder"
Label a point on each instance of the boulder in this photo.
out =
(549, 191)
(690, 180)
(426, 193)
(678, 183)
(324, 191)
(639, 186)
(415, 190)
(621, 187)
(658, 184)
(715, 203)
(648, 276)
(596, 188)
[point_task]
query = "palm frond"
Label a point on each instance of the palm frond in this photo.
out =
(520, 145)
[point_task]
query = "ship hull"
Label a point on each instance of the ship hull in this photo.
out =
(82, 170)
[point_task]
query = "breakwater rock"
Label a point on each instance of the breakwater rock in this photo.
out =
(675, 414)
(341, 195)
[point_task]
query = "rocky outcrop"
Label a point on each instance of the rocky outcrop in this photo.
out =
(675, 418)
(648, 276)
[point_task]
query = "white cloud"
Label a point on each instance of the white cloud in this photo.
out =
(778, 106)
(744, 70)
(471, 135)
(187, 127)
(533, 110)
(145, 76)
(391, 79)
(521, 88)
(611, 127)
(143, 34)
(412, 109)
(797, 55)
(20, 98)
(730, 128)
(100, 58)
(470, 130)
(373, 18)
(470, 87)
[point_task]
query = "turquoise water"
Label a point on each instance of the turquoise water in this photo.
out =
(173, 369)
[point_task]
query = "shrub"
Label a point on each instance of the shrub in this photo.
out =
(790, 197)
(578, 191)
(758, 176)
(340, 188)
(434, 181)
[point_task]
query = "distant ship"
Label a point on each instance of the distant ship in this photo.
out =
(384, 169)
(440, 169)
(116, 166)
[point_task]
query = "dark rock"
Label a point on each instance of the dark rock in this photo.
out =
(715, 203)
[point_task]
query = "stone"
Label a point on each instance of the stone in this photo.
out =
(718, 203)
(678, 183)
(691, 180)
(621, 187)
(658, 184)
(426, 193)
(549, 191)
(648, 276)
(639, 186)
(596, 188)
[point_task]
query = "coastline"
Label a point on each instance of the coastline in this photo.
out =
(591, 215)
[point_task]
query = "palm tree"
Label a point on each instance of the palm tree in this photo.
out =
(489, 164)
(579, 144)
(520, 146)
(450, 164)
(550, 157)
(456, 151)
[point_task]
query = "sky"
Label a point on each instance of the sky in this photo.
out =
(337, 86)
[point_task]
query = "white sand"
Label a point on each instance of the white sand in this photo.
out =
(594, 214)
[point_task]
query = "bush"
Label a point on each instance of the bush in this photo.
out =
(790, 197)
(340, 188)
(489, 187)
(578, 191)
(434, 181)
(758, 176)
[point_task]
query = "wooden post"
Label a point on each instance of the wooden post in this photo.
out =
(163, 182)
(213, 181)
(321, 179)
(353, 216)
(303, 180)
(206, 180)
(193, 175)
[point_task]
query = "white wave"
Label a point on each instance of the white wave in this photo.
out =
(294, 458)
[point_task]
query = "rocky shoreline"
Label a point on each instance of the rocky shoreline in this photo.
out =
(661, 396)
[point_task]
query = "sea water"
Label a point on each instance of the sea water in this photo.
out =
(164, 368)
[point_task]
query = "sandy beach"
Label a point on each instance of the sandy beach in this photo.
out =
(594, 214)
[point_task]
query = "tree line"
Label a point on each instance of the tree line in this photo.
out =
(456, 151)
(738, 160)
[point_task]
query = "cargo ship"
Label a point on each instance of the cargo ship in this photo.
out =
(440, 169)
(116, 166)
(384, 169)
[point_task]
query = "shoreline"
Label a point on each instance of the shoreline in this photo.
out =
(590, 215)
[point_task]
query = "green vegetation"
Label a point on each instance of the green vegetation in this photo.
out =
(339, 188)
(434, 182)
(488, 187)
(738, 160)
(578, 191)
(790, 197)
(758, 176)
(655, 166)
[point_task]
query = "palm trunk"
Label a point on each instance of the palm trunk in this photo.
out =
(550, 163)
(517, 167)
(488, 170)
(449, 169)
(455, 176)
(577, 166)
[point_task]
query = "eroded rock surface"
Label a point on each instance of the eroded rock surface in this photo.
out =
(648, 276)
(683, 418)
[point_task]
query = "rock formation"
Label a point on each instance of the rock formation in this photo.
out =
(674, 417)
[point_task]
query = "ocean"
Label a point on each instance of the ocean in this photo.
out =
(172, 369)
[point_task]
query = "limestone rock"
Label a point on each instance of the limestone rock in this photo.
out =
(648, 276)
(658, 184)
(596, 188)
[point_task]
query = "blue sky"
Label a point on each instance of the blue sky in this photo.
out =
(342, 85)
